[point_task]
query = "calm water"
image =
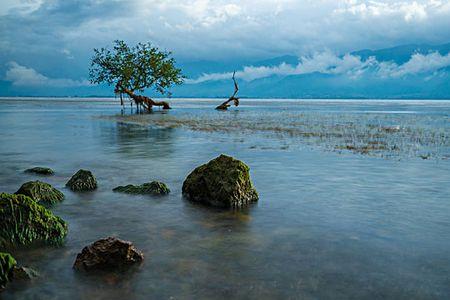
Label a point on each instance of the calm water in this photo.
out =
(328, 225)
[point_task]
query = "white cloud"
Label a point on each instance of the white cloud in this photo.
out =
(22, 76)
(20, 6)
(408, 10)
(227, 29)
(418, 64)
(329, 63)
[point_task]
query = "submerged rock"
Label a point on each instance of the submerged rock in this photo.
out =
(41, 192)
(222, 182)
(83, 180)
(153, 188)
(40, 170)
(24, 221)
(24, 273)
(108, 254)
(7, 264)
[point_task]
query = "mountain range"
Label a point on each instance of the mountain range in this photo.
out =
(408, 71)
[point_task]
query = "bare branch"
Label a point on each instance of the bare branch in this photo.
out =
(225, 105)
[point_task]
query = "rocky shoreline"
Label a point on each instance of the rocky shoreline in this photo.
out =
(27, 220)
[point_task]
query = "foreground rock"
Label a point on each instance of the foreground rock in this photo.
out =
(108, 254)
(9, 270)
(24, 273)
(24, 221)
(222, 182)
(41, 192)
(83, 180)
(7, 264)
(40, 171)
(152, 188)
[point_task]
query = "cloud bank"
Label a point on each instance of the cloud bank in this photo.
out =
(49, 35)
(222, 29)
(329, 63)
(22, 76)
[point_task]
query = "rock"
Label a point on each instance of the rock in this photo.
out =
(24, 273)
(222, 182)
(24, 221)
(41, 192)
(108, 254)
(7, 264)
(153, 188)
(83, 180)
(40, 170)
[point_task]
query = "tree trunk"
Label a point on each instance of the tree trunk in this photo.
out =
(226, 104)
(146, 102)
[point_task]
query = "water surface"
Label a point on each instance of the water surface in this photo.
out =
(329, 224)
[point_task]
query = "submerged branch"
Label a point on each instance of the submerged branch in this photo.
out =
(226, 104)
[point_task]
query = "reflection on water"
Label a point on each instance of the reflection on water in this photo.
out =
(133, 141)
(328, 225)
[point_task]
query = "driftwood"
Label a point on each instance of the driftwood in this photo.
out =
(233, 98)
(143, 101)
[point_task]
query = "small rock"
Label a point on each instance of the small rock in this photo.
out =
(41, 192)
(24, 222)
(7, 265)
(108, 254)
(222, 182)
(40, 170)
(153, 188)
(24, 273)
(83, 180)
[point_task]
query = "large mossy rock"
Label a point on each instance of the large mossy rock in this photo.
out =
(41, 192)
(40, 171)
(222, 182)
(83, 180)
(152, 188)
(7, 265)
(24, 221)
(108, 254)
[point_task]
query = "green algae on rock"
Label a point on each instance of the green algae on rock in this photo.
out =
(7, 265)
(40, 171)
(222, 182)
(24, 222)
(41, 192)
(83, 180)
(153, 188)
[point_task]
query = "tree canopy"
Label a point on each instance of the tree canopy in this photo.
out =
(136, 68)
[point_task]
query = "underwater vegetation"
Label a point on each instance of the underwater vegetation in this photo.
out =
(377, 134)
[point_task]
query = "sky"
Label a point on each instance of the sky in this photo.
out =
(48, 43)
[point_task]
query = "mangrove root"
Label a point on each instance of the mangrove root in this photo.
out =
(143, 101)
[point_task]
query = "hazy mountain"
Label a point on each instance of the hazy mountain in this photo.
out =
(413, 71)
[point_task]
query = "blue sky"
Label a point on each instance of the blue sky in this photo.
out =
(48, 44)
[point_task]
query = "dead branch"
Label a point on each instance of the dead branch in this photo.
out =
(226, 104)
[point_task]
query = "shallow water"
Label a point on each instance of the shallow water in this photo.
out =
(328, 225)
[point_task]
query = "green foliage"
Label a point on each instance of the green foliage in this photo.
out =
(24, 221)
(7, 264)
(134, 68)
